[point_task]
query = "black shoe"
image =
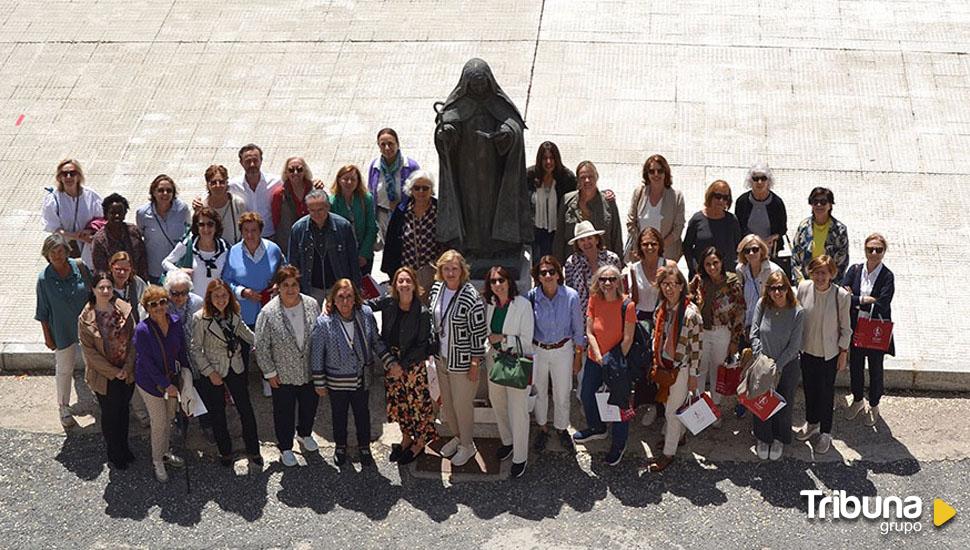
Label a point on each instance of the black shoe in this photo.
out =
(226, 460)
(518, 468)
(340, 456)
(366, 460)
(129, 457)
(540, 442)
(566, 441)
(504, 452)
(409, 456)
(396, 452)
(256, 459)
(119, 464)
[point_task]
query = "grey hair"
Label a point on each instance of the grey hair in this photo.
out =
(53, 241)
(759, 168)
(419, 175)
(177, 277)
(317, 194)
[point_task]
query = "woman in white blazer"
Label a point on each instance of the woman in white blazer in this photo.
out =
(510, 322)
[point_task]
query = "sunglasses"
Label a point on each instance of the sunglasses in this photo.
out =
(820, 202)
(178, 293)
(217, 182)
(759, 178)
(207, 224)
(650, 245)
(497, 280)
(69, 173)
(720, 197)
(547, 272)
(655, 171)
(875, 249)
(295, 170)
(421, 188)
(159, 302)
(165, 191)
(777, 288)
(752, 250)
(608, 279)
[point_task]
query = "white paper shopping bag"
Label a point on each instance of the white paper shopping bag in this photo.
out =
(608, 413)
(698, 413)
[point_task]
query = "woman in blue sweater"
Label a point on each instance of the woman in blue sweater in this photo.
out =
(249, 270)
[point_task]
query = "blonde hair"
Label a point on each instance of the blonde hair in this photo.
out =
(596, 290)
(746, 242)
(449, 256)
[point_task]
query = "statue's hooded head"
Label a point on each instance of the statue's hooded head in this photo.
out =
(477, 84)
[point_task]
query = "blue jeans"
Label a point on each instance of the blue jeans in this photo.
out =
(592, 380)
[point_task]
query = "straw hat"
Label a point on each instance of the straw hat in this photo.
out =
(584, 229)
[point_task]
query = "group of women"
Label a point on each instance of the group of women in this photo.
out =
(590, 291)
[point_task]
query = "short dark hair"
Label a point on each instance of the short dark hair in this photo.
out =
(251, 217)
(206, 212)
(824, 191)
(501, 271)
(250, 147)
(286, 272)
(100, 275)
(390, 131)
(113, 199)
(550, 260)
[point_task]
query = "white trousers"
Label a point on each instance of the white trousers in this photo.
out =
(676, 398)
(65, 361)
(714, 348)
(511, 408)
(557, 365)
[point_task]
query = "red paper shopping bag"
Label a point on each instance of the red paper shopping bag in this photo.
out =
(765, 405)
(873, 334)
(728, 378)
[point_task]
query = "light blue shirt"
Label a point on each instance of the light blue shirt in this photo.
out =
(162, 234)
(558, 318)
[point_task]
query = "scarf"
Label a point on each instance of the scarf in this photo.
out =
(210, 264)
(670, 344)
(388, 172)
(709, 292)
(229, 333)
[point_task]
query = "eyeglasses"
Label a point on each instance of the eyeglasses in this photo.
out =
(207, 224)
(69, 173)
(547, 272)
(178, 293)
(752, 250)
(670, 284)
(497, 280)
(777, 288)
(655, 171)
(820, 202)
(165, 191)
(420, 188)
(650, 244)
(158, 302)
(720, 197)
(875, 249)
(759, 178)
(608, 279)
(217, 182)
(295, 169)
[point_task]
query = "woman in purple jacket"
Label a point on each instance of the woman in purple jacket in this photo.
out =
(160, 353)
(385, 180)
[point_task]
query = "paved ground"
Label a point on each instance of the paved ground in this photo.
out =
(56, 491)
(868, 98)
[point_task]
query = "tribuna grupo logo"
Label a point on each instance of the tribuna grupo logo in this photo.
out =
(895, 514)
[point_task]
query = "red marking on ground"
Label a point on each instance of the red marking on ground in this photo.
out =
(19, 120)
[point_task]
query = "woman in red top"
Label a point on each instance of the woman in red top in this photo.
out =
(609, 333)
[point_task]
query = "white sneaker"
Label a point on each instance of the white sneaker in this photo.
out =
(309, 444)
(450, 448)
(160, 474)
(267, 389)
(288, 459)
(807, 432)
(463, 455)
(823, 444)
(854, 409)
(763, 449)
(872, 416)
(777, 448)
(649, 416)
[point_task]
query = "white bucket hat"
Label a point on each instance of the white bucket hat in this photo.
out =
(584, 229)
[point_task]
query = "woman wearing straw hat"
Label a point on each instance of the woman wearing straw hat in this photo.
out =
(589, 254)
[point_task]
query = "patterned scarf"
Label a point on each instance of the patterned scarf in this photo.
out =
(670, 344)
(388, 172)
(210, 264)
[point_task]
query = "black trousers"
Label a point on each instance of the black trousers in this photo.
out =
(214, 398)
(291, 402)
(542, 245)
(857, 373)
(114, 419)
(340, 402)
(818, 382)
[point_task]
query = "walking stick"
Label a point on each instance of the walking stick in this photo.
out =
(182, 423)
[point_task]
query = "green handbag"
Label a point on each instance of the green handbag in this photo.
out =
(510, 369)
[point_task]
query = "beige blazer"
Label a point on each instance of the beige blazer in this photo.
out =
(97, 369)
(671, 224)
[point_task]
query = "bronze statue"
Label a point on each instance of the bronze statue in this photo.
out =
(484, 207)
